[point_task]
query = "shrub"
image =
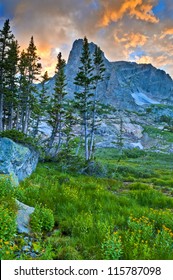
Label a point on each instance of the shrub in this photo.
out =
(6, 187)
(134, 153)
(142, 240)
(42, 219)
(94, 168)
(7, 232)
(112, 247)
(7, 224)
(138, 186)
(20, 137)
(152, 198)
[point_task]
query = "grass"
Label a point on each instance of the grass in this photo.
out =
(161, 135)
(125, 215)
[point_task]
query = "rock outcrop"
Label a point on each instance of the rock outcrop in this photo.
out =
(17, 160)
(23, 217)
(126, 85)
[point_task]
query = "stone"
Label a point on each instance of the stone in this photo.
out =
(17, 160)
(23, 217)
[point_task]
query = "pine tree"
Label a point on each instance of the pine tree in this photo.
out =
(57, 111)
(6, 38)
(30, 70)
(69, 122)
(83, 98)
(97, 78)
(23, 91)
(41, 106)
(11, 84)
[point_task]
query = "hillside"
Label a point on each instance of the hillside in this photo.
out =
(122, 211)
(141, 97)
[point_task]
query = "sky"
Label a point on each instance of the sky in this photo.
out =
(130, 30)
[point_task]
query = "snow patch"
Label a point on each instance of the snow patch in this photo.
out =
(137, 145)
(142, 99)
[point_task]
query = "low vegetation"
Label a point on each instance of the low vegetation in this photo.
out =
(125, 214)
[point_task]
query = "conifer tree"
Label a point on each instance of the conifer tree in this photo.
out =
(6, 37)
(23, 91)
(41, 105)
(57, 110)
(83, 98)
(69, 122)
(11, 84)
(99, 69)
(31, 69)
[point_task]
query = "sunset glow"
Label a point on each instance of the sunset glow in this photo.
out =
(132, 30)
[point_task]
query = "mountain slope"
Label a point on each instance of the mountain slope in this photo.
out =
(143, 94)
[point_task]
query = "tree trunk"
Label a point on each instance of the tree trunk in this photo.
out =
(10, 121)
(26, 120)
(1, 111)
(91, 149)
(86, 136)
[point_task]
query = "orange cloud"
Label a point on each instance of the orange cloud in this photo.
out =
(144, 59)
(159, 62)
(55, 24)
(167, 31)
(131, 40)
(140, 9)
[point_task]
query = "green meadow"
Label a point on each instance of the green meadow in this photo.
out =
(119, 208)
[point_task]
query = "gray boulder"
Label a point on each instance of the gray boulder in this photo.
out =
(23, 217)
(17, 160)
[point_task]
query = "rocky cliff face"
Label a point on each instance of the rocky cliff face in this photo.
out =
(127, 85)
(16, 160)
(143, 95)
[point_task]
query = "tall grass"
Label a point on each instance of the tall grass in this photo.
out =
(126, 215)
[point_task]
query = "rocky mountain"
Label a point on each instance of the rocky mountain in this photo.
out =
(126, 85)
(142, 96)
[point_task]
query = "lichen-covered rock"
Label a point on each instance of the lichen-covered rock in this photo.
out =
(16, 159)
(23, 217)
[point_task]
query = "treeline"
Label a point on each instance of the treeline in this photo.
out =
(23, 105)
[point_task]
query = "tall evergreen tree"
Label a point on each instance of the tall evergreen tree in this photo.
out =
(23, 91)
(11, 84)
(99, 69)
(57, 110)
(6, 38)
(31, 69)
(83, 97)
(41, 105)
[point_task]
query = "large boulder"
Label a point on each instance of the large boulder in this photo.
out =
(23, 217)
(17, 160)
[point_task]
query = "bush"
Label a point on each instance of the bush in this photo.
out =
(7, 232)
(152, 198)
(42, 220)
(112, 247)
(134, 153)
(166, 119)
(20, 137)
(142, 240)
(95, 169)
(7, 224)
(6, 187)
(138, 186)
